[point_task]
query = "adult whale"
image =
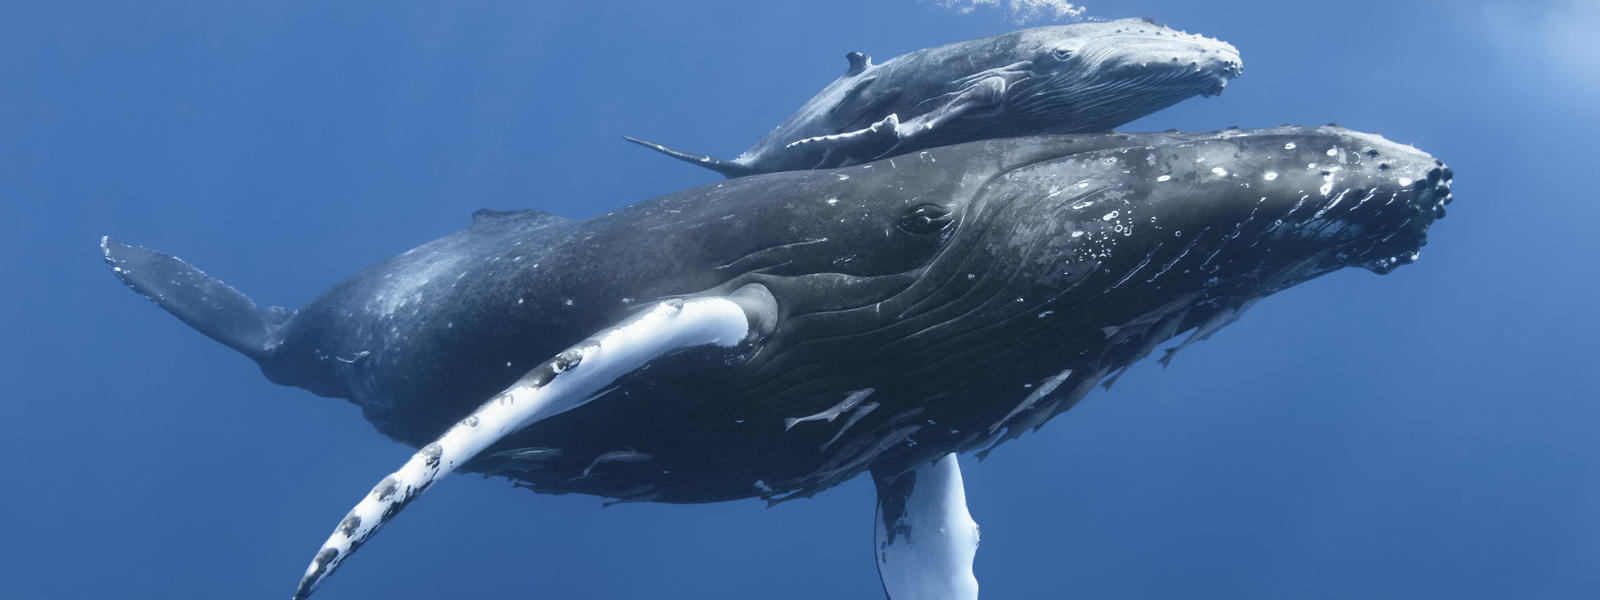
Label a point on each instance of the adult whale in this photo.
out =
(1079, 78)
(774, 336)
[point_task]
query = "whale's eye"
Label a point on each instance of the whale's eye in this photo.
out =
(1061, 54)
(926, 218)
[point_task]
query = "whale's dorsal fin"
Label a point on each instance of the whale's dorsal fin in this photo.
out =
(567, 381)
(859, 63)
(727, 168)
(924, 537)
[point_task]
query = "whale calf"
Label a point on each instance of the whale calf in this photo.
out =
(776, 335)
(1079, 78)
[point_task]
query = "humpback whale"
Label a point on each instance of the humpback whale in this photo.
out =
(773, 336)
(1079, 78)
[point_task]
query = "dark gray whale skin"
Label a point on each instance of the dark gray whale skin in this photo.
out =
(1077, 78)
(976, 290)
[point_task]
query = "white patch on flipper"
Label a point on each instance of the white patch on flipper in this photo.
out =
(890, 123)
(850, 401)
(927, 551)
(556, 386)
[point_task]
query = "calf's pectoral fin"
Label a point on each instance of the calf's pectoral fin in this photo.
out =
(852, 146)
(925, 539)
(978, 95)
(556, 386)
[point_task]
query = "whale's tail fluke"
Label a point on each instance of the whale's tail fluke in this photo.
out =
(727, 168)
(205, 303)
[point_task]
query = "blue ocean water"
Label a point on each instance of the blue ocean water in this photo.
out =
(1427, 433)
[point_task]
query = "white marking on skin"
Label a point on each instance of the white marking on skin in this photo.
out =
(1270, 175)
(1327, 182)
(1333, 152)
(1219, 171)
(1330, 205)
(1288, 146)
(589, 366)
(850, 401)
(833, 201)
(1164, 178)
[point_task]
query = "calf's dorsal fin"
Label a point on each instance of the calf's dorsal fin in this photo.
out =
(859, 63)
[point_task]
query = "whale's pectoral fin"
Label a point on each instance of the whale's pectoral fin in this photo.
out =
(556, 386)
(851, 147)
(204, 302)
(863, 105)
(980, 94)
(925, 539)
(727, 168)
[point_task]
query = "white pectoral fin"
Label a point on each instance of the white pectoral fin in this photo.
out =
(925, 539)
(556, 386)
(881, 131)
